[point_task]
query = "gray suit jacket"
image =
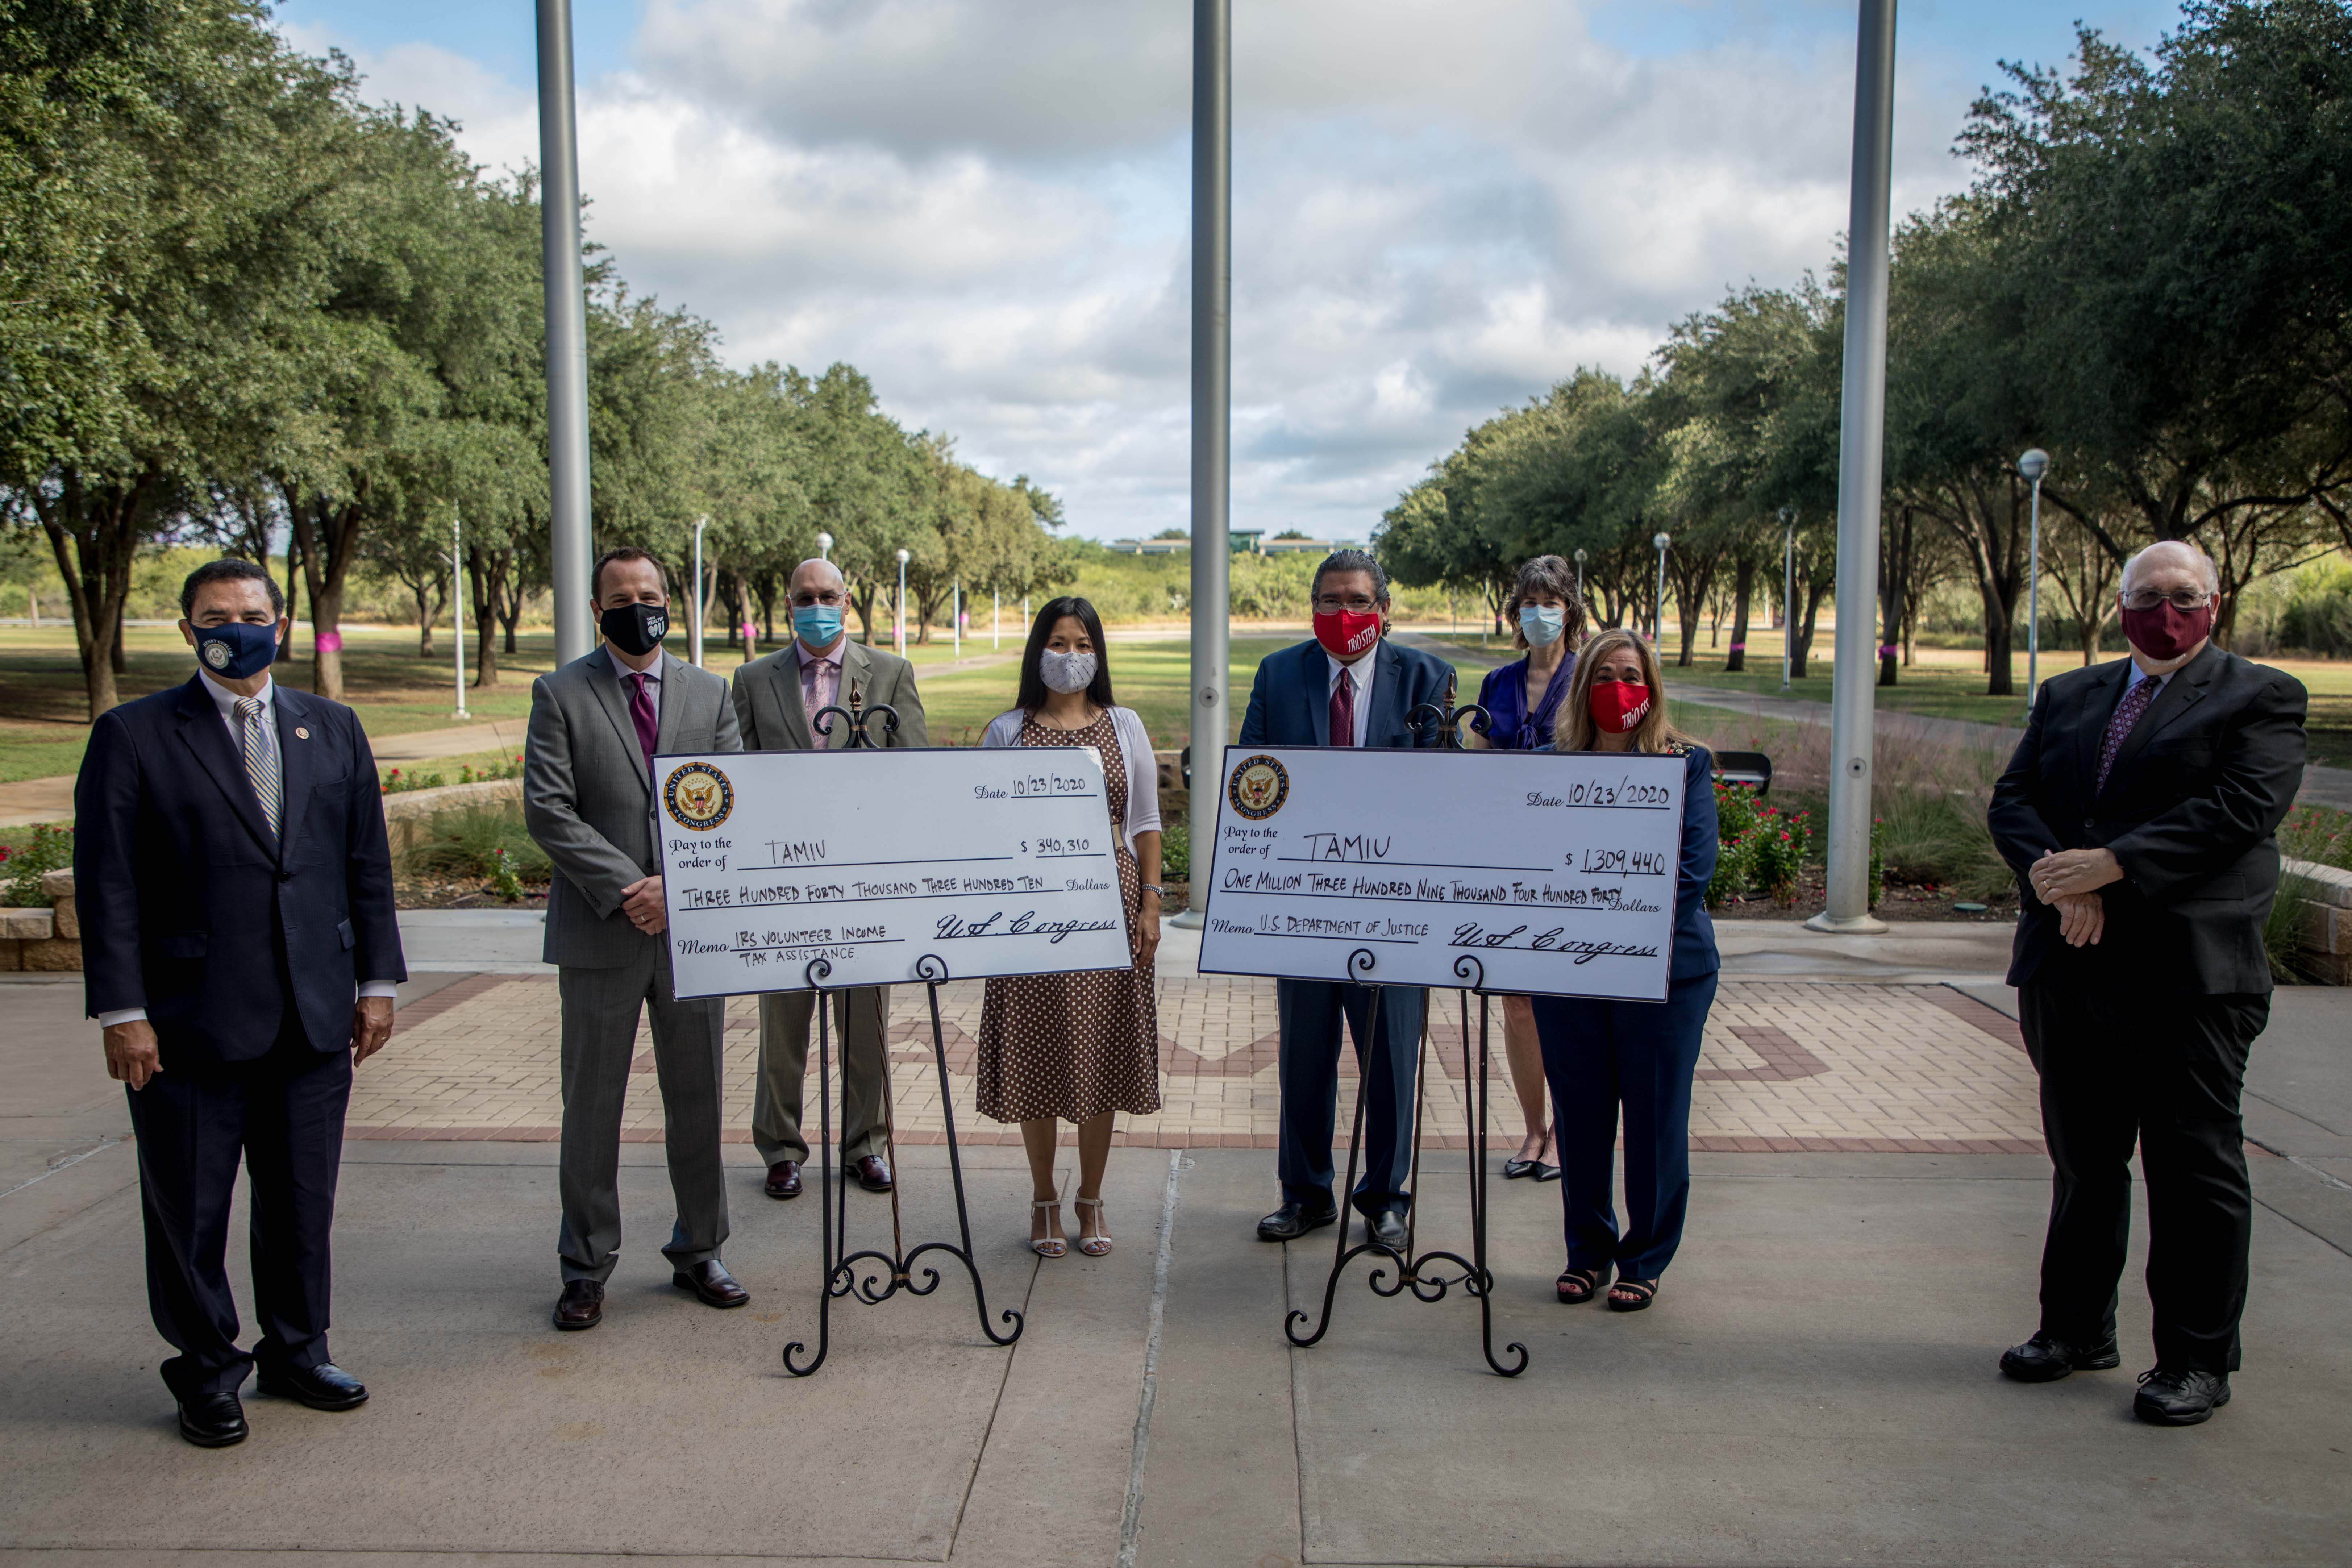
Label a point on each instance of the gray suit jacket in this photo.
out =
(588, 798)
(768, 699)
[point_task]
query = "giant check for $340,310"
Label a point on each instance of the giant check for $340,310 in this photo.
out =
(996, 862)
(1555, 871)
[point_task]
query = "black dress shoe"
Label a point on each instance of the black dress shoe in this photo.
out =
(873, 1173)
(711, 1285)
(2045, 1359)
(1386, 1226)
(213, 1420)
(581, 1305)
(322, 1387)
(784, 1180)
(1292, 1221)
(1513, 1168)
(2179, 1396)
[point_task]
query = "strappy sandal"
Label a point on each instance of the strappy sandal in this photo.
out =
(1579, 1285)
(1096, 1245)
(1049, 1245)
(1643, 1291)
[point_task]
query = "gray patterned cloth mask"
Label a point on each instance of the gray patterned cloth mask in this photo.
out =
(1066, 672)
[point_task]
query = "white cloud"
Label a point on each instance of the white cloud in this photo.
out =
(1438, 210)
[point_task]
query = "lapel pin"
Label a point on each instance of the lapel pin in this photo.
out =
(301, 733)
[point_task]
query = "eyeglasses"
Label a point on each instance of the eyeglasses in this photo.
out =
(2185, 600)
(1330, 604)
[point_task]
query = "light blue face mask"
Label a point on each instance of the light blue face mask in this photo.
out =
(816, 625)
(1542, 624)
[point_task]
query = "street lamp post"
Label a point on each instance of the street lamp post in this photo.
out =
(955, 619)
(824, 547)
(694, 626)
(1788, 591)
(2032, 466)
(903, 559)
(457, 599)
(1580, 577)
(570, 548)
(1658, 616)
(995, 620)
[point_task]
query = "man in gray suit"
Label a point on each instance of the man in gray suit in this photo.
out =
(590, 800)
(775, 699)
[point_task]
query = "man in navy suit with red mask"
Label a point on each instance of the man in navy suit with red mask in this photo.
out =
(239, 950)
(1350, 687)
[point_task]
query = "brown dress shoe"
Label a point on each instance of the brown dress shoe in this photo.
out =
(581, 1305)
(712, 1284)
(873, 1173)
(784, 1180)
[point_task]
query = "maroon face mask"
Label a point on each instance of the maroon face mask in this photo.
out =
(2165, 632)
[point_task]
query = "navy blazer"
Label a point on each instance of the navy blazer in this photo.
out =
(1695, 951)
(188, 909)
(1290, 698)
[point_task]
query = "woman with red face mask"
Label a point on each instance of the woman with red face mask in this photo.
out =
(1600, 1054)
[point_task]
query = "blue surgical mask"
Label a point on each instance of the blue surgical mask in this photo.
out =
(816, 625)
(237, 650)
(1542, 624)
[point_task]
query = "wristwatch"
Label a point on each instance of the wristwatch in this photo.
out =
(1154, 888)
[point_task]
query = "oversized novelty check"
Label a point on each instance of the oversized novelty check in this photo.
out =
(1555, 871)
(995, 862)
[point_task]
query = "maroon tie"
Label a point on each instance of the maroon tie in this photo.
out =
(1343, 709)
(641, 713)
(2128, 712)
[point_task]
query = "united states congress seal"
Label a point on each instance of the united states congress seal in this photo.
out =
(698, 796)
(1258, 787)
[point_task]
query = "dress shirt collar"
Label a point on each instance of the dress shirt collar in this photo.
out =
(2135, 675)
(831, 656)
(1360, 666)
(227, 700)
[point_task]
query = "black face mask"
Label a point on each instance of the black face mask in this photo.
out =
(635, 629)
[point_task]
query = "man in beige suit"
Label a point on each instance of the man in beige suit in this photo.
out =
(775, 698)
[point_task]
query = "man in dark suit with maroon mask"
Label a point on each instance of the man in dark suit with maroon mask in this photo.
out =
(2140, 814)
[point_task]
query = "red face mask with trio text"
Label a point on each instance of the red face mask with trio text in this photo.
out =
(1347, 635)
(1618, 706)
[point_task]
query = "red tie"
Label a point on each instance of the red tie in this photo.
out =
(641, 713)
(1343, 709)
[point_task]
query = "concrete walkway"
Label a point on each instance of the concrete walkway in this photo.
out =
(1815, 1384)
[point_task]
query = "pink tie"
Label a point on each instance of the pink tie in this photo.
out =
(641, 713)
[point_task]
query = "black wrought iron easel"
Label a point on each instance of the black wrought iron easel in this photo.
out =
(1413, 1263)
(872, 1276)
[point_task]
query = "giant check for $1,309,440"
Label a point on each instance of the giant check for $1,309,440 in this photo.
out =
(1556, 870)
(995, 862)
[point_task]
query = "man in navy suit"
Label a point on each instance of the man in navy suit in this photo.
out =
(239, 950)
(1349, 687)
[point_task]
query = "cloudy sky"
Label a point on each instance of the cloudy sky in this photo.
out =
(1441, 206)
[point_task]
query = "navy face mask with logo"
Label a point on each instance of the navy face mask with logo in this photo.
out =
(237, 650)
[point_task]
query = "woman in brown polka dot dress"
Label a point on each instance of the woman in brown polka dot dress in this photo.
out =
(1079, 1047)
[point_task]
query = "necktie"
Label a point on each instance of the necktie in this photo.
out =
(2128, 712)
(1343, 709)
(260, 760)
(641, 713)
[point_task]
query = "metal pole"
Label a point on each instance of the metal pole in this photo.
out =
(570, 546)
(902, 604)
(1658, 619)
(458, 598)
(1861, 466)
(995, 620)
(1212, 385)
(694, 626)
(957, 613)
(2033, 604)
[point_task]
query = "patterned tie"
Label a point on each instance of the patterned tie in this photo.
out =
(1343, 709)
(641, 713)
(2128, 712)
(260, 760)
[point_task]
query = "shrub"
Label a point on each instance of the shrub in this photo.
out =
(398, 782)
(1175, 851)
(484, 840)
(1779, 847)
(48, 849)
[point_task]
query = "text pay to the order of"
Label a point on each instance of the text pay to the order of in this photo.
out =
(995, 862)
(1555, 871)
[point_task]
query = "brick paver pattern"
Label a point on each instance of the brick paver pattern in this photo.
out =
(1789, 1065)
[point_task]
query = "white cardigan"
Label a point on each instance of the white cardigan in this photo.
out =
(1134, 744)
